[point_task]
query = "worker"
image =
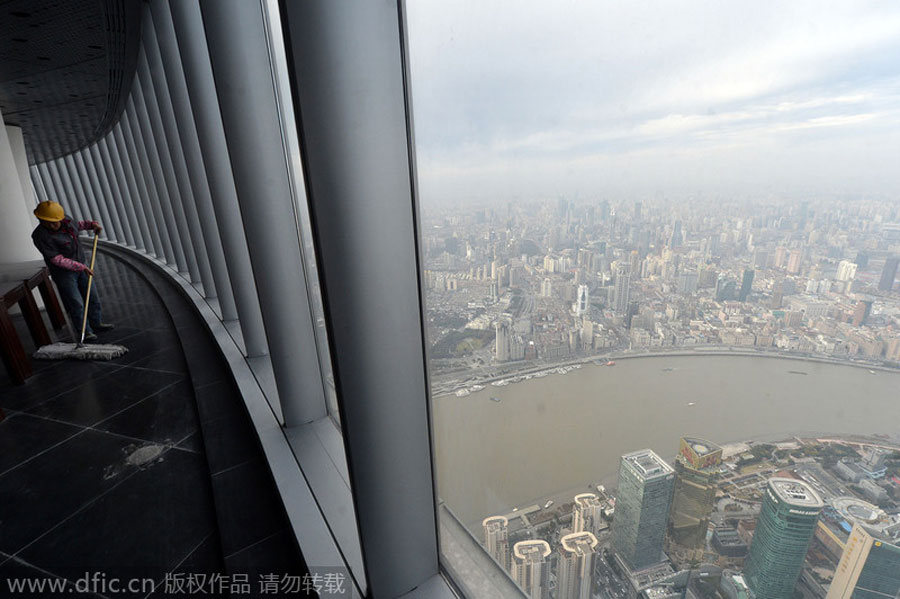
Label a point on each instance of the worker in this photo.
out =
(56, 238)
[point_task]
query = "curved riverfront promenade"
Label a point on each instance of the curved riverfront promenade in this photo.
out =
(550, 434)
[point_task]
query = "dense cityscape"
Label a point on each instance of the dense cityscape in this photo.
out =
(526, 285)
(810, 518)
(528, 289)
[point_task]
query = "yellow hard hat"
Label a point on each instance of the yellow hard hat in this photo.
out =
(50, 212)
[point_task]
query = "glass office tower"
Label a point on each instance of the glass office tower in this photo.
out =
(696, 474)
(787, 521)
(646, 483)
(869, 568)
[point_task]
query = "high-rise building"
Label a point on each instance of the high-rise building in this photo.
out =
(496, 539)
(546, 288)
(746, 285)
(846, 270)
(531, 568)
(781, 254)
(696, 475)
(677, 240)
(582, 301)
(861, 312)
(724, 289)
(622, 289)
(634, 264)
(862, 259)
(795, 261)
(575, 563)
(646, 484)
(502, 340)
(587, 513)
(786, 524)
(869, 568)
(889, 273)
(687, 282)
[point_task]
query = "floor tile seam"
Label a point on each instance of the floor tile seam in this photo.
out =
(138, 439)
(156, 369)
(255, 543)
(113, 369)
(99, 431)
(131, 405)
(19, 560)
(230, 468)
(188, 436)
(79, 510)
(52, 397)
(42, 452)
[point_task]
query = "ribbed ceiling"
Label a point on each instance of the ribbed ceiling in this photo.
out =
(65, 69)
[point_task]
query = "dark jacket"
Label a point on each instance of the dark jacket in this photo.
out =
(63, 242)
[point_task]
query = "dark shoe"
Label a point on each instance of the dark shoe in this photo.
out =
(90, 337)
(103, 326)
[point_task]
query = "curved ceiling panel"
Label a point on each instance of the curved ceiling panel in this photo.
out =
(65, 69)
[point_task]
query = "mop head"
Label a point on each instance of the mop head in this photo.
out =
(75, 351)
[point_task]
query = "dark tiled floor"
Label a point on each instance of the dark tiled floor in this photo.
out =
(102, 464)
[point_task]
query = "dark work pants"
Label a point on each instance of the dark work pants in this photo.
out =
(72, 290)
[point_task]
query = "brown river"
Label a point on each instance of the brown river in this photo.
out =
(548, 435)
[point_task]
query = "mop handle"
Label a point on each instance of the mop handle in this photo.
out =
(87, 297)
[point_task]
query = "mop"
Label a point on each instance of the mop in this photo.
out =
(82, 350)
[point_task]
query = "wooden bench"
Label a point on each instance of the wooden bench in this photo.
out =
(16, 284)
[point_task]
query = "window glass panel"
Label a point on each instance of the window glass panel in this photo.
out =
(660, 247)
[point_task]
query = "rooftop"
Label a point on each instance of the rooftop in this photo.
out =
(795, 492)
(701, 446)
(647, 463)
(580, 543)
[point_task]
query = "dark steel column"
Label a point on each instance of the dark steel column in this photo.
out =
(159, 82)
(187, 129)
(137, 153)
(85, 181)
(161, 173)
(188, 24)
(109, 180)
(120, 191)
(74, 196)
(137, 205)
(67, 201)
(238, 50)
(350, 83)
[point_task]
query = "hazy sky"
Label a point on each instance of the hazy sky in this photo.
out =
(522, 99)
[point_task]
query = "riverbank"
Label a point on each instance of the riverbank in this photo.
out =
(561, 432)
(442, 388)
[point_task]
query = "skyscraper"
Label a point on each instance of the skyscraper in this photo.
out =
(846, 270)
(586, 513)
(582, 301)
(861, 312)
(687, 282)
(496, 539)
(746, 285)
(622, 289)
(696, 474)
(676, 240)
(546, 288)
(784, 529)
(501, 341)
(646, 483)
(531, 568)
(869, 568)
(576, 559)
(889, 273)
(794, 262)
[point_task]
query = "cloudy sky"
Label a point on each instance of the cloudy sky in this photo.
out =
(524, 99)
